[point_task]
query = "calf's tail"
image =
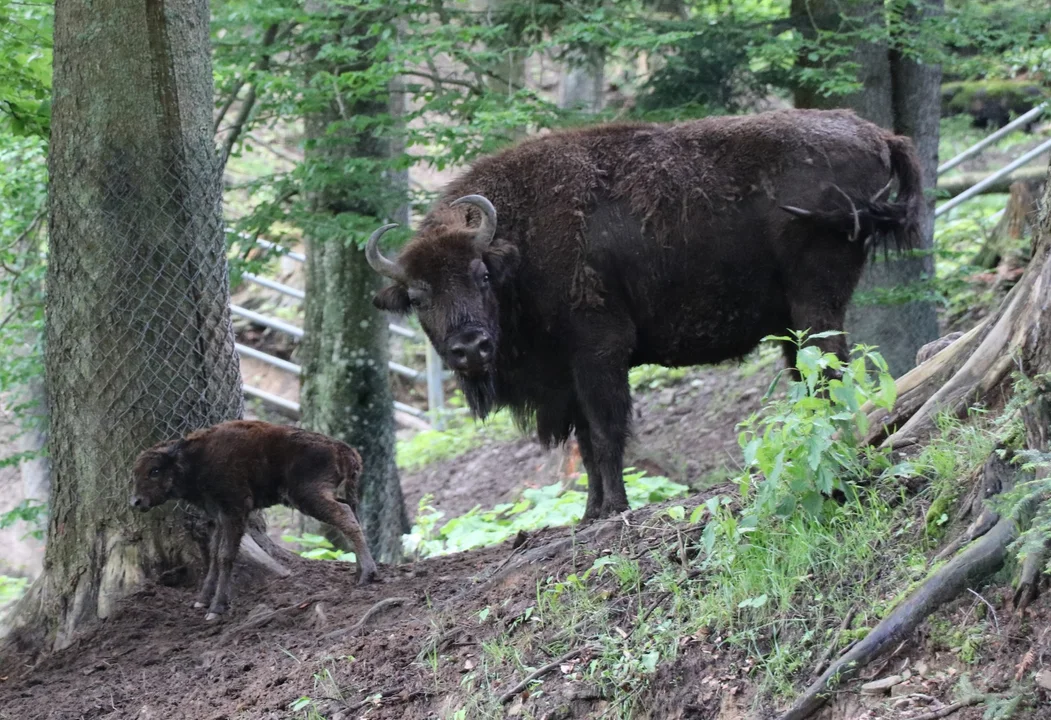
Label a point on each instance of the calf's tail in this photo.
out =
(349, 466)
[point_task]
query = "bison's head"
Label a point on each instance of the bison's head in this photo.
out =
(451, 277)
(156, 476)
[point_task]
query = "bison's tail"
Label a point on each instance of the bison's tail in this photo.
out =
(876, 220)
(905, 166)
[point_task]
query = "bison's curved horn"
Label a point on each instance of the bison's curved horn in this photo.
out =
(487, 230)
(385, 267)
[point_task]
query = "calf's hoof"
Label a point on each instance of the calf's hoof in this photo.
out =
(197, 605)
(368, 576)
(212, 616)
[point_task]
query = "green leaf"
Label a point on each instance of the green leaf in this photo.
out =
(754, 602)
(649, 661)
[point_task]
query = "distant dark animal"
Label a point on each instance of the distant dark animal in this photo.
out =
(233, 468)
(627, 244)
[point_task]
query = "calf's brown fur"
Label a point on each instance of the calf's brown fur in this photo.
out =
(233, 468)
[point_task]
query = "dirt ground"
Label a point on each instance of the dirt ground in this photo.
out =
(157, 658)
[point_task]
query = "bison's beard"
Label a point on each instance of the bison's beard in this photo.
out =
(480, 392)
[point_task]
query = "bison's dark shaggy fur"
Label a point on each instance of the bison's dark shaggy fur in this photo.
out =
(235, 467)
(628, 244)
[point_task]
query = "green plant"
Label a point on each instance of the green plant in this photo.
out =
(11, 591)
(30, 511)
(460, 436)
(800, 450)
(318, 548)
(547, 506)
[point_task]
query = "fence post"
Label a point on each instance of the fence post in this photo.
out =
(435, 392)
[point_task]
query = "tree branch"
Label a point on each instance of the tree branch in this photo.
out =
(261, 65)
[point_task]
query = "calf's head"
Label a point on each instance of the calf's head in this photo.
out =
(157, 476)
(451, 276)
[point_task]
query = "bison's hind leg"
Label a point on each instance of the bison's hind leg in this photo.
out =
(319, 501)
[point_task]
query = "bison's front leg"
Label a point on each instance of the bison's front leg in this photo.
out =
(211, 559)
(231, 528)
(600, 377)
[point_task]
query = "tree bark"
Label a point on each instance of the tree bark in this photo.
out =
(346, 391)
(139, 342)
(901, 94)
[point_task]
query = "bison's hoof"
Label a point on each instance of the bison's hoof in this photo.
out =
(368, 577)
(211, 616)
(197, 605)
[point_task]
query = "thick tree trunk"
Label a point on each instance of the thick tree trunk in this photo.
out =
(139, 342)
(346, 390)
(897, 93)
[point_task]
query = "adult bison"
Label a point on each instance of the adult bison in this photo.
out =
(550, 269)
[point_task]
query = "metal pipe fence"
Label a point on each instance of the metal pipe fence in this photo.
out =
(433, 375)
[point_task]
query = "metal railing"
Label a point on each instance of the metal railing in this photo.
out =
(976, 149)
(433, 375)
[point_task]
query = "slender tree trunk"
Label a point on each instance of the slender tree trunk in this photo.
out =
(139, 342)
(346, 390)
(900, 94)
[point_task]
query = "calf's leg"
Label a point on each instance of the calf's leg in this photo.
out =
(231, 528)
(319, 501)
(211, 557)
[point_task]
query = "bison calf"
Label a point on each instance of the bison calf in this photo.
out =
(235, 467)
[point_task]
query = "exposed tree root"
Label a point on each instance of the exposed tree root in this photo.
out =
(1029, 577)
(539, 673)
(369, 614)
(950, 709)
(976, 363)
(982, 558)
(918, 385)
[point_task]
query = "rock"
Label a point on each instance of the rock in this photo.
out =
(1043, 679)
(922, 668)
(903, 689)
(931, 349)
(878, 687)
(667, 397)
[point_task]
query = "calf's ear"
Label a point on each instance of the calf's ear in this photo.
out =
(394, 298)
(502, 259)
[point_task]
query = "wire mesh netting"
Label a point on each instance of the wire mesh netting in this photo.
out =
(140, 347)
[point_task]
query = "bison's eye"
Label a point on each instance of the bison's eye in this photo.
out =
(480, 273)
(417, 298)
(155, 472)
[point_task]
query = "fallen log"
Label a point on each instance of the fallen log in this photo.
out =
(952, 186)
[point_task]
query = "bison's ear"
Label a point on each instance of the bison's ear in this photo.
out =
(394, 298)
(502, 259)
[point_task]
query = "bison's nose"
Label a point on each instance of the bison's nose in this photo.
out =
(137, 502)
(470, 351)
